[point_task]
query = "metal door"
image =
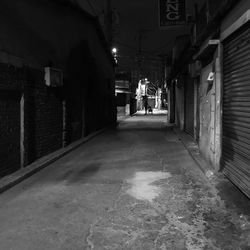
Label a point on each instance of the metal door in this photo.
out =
(236, 109)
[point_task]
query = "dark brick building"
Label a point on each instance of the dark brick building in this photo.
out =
(36, 119)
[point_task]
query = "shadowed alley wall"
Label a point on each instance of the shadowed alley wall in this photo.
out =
(36, 34)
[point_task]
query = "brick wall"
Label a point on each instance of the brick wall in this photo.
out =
(10, 94)
(87, 100)
(43, 117)
(73, 45)
(9, 132)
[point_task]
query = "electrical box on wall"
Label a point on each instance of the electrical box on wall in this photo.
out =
(53, 77)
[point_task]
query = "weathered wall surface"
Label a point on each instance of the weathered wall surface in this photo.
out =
(10, 95)
(43, 118)
(207, 115)
(43, 33)
(189, 105)
(180, 43)
(179, 106)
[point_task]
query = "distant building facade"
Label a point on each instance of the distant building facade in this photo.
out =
(123, 93)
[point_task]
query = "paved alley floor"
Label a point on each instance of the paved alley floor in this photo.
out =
(132, 188)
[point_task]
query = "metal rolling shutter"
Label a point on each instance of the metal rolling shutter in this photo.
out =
(236, 109)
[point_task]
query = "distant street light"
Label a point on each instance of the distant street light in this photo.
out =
(114, 53)
(114, 50)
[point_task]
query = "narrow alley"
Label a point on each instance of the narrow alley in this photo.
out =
(136, 187)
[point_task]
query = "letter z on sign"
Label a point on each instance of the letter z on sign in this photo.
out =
(172, 10)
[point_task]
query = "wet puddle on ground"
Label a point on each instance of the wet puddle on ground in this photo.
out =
(143, 186)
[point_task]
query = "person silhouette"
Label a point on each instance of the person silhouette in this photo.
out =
(146, 104)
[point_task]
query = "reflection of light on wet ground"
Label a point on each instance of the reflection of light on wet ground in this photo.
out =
(143, 184)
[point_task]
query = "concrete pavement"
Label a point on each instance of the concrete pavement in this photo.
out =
(136, 187)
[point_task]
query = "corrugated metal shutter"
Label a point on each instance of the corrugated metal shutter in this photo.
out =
(236, 109)
(189, 107)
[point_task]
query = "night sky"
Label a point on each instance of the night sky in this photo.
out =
(137, 16)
